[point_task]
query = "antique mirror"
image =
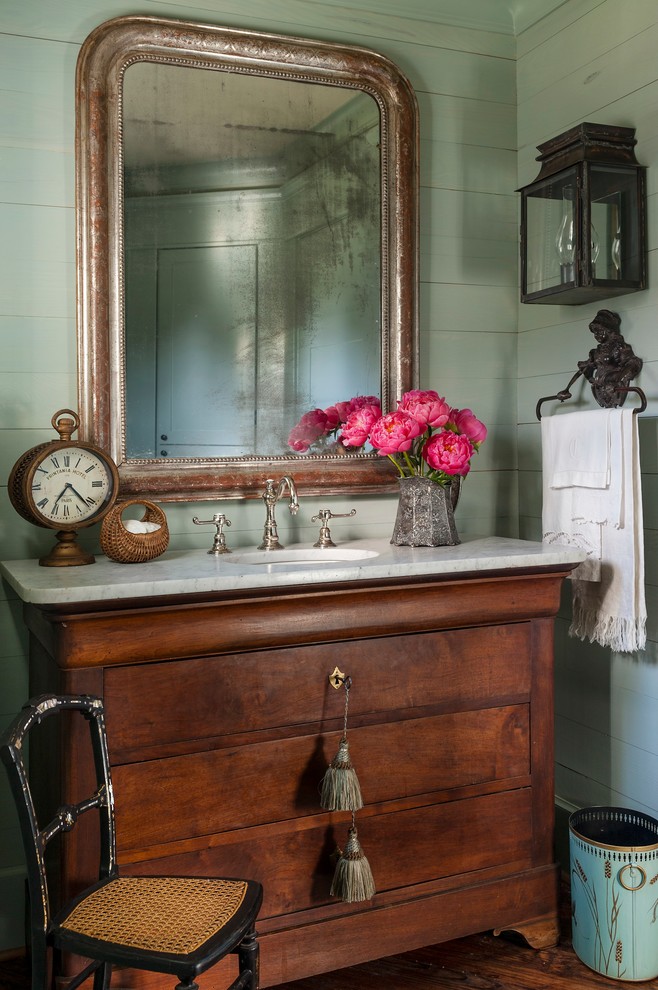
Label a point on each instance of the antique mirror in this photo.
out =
(247, 251)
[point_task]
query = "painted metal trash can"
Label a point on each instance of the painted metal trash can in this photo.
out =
(614, 891)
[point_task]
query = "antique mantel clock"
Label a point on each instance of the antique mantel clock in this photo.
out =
(64, 485)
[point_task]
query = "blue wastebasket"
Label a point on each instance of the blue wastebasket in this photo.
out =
(614, 891)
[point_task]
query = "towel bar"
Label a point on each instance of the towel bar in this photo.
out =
(566, 394)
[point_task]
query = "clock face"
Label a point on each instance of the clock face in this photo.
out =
(70, 486)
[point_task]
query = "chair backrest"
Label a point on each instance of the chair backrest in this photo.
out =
(36, 838)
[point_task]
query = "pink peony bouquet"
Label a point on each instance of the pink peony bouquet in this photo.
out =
(423, 437)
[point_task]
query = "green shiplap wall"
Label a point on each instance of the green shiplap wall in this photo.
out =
(595, 60)
(465, 81)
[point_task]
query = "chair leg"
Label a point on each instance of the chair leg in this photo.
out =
(249, 958)
(40, 971)
(42, 962)
(187, 985)
(102, 977)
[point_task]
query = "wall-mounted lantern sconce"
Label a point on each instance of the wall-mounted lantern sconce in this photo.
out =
(583, 219)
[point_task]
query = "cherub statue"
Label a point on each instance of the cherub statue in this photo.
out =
(612, 365)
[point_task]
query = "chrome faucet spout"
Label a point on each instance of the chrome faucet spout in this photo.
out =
(294, 501)
(271, 496)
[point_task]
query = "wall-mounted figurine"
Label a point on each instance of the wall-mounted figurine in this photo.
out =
(611, 365)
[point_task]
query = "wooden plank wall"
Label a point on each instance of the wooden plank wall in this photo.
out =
(465, 80)
(595, 60)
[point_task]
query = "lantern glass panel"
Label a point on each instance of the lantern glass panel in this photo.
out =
(552, 219)
(614, 219)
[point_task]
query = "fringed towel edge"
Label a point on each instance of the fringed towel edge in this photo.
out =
(618, 634)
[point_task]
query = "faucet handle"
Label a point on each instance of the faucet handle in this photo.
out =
(218, 520)
(323, 516)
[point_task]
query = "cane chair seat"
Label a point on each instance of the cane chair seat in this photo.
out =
(165, 924)
(160, 914)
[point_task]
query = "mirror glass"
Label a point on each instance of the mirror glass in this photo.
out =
(256, 220)
(251, 256)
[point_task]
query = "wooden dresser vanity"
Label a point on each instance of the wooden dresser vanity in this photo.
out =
(222, 720)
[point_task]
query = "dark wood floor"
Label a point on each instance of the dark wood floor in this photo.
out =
(480, 962)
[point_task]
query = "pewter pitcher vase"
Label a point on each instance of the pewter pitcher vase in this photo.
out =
(425, 516)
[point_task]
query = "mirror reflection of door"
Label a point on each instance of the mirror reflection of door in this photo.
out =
(252, 257)
(191, 349)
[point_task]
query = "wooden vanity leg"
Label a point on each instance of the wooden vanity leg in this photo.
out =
(541, 934)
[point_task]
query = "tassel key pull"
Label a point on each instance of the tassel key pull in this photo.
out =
(340, 785)
(353, 880)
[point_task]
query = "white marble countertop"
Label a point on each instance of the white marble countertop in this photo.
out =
(181, 572)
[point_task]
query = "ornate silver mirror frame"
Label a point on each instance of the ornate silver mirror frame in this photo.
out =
(104, 57)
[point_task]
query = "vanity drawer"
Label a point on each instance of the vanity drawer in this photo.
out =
(221, 790)
(177, 705)
(438, 842)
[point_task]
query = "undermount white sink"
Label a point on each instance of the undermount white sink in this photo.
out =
(310, 555)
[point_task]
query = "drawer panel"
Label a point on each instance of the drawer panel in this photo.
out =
(412, 847)
(213, 791)
(176, 701)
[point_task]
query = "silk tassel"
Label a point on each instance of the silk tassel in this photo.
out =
(353, 880)
(340, 784)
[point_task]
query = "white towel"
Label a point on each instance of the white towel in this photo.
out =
(606, 522)
(580, 454)
(565, 519)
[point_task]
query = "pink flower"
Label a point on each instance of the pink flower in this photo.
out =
(463, 421)
(449, 452)
(343, 409)
(359, 401)
(333, 418)
(356, 430)
(394, 432)
(310, 428)
(425, 406)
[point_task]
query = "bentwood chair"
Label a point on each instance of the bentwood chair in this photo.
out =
(174, 925)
